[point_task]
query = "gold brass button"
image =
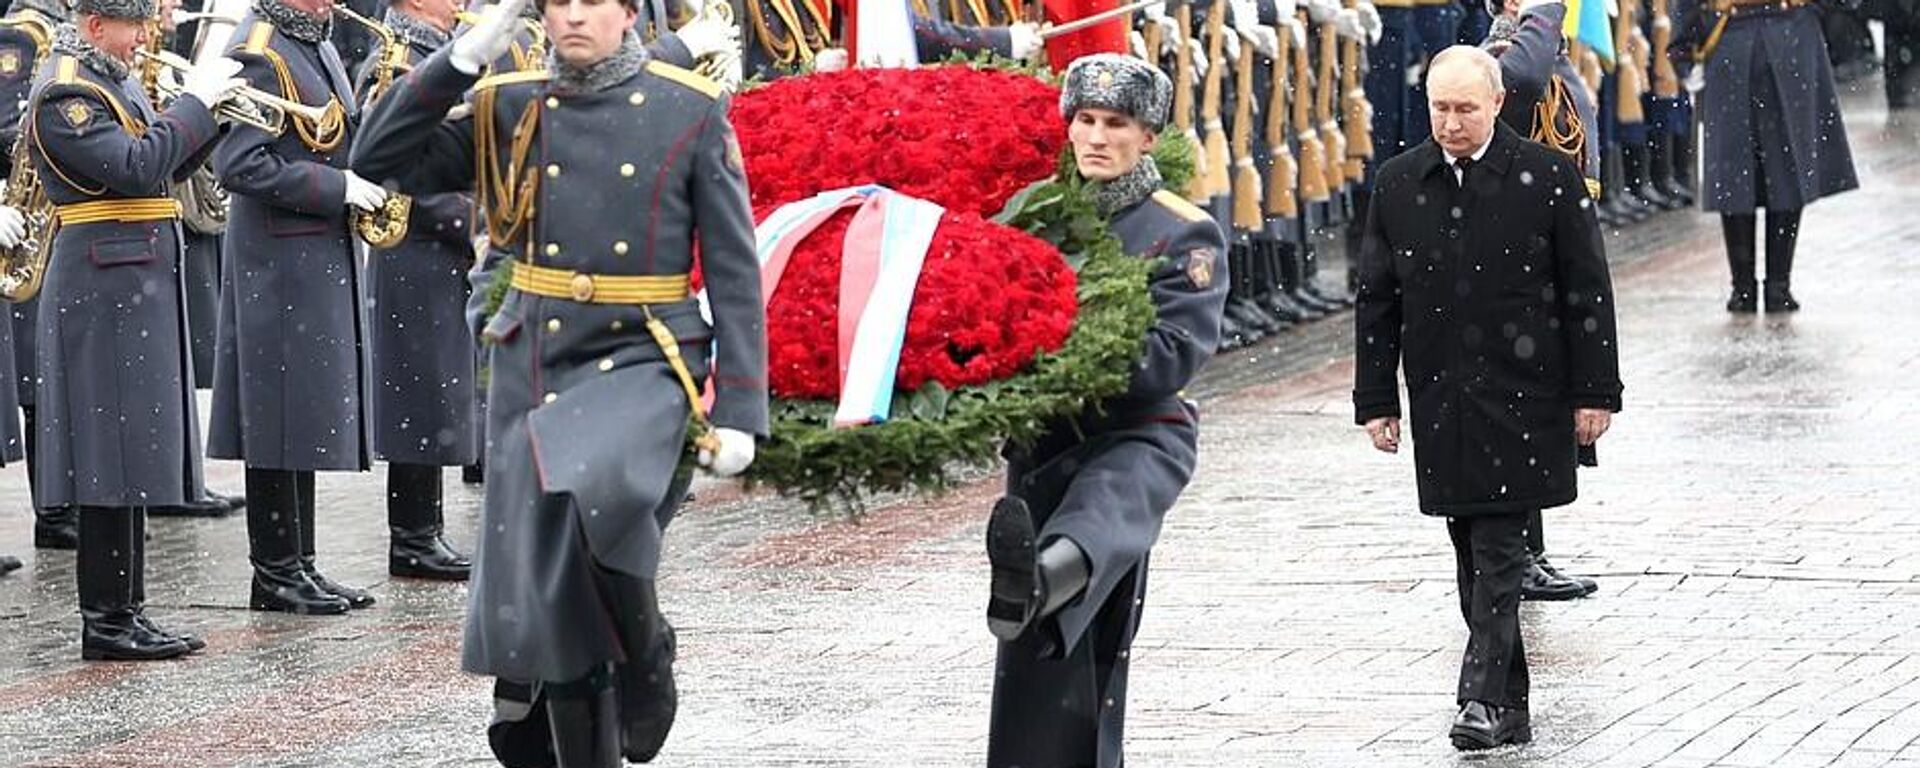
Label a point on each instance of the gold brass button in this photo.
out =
(553, 170)
(636, 98)
(553, 325)
(606, 364)
(626, 169)
(550, 397)
(582, 288)
(620, 247)
(553, 249)
(552, 102)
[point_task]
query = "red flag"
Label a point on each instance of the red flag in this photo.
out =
(1108, 37)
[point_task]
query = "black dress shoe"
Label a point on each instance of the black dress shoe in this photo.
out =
(1483, 726)
(1779, 298)
(1539, 584)
(649, 700)
(121, 637)
(9, 564)
(427, 557)
(1012, 550)
(234, 501)
(1742, 301)
(1591, 586)
(211, 506)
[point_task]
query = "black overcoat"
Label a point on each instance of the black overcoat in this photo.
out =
(1496, 299)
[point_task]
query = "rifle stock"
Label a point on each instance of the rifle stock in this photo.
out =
(1334, 165)
(1183, 101)
(1246, 175)
(1219, 181)
(1313, 173)
(1280, 197)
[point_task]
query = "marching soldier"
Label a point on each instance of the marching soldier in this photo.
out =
(26, 40)
(1069, 542)
(1774, 138)
(594, 355)
(290, 379)
(424, 403)
(119, 432)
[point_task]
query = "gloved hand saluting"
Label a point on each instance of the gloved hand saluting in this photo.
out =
(705, 36)
(489, 38)
(733, 456)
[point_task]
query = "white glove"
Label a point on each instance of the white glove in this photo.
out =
(706, 36)
(830, 60)
(1347, 25)
(736, 452)
(1295, 28)
(1285, 8)
(1323, 11)
(1198, 53)
(13, 226)
(213, 81)
(489, 39)
(1137, 43)
(1243, 14)
(1370, 21)
(364, 195)
(1263, 39)
(1230, 47)
(1169, 33)
(1528, 5)
(1024, 39)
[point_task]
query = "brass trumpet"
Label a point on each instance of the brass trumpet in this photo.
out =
(248, 106)
(184, 17)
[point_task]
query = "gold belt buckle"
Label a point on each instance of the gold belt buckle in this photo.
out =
(582, 288)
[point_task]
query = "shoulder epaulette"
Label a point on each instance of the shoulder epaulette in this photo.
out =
(1180, 206)
(258, 37)
(509, 78)
(686, 77)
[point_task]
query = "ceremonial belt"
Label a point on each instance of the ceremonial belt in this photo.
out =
(642, 290)
(599, 289)
(123, 210)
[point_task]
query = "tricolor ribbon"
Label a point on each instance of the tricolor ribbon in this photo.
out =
(880, 265)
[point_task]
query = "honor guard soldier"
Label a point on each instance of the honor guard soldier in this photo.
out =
(424, 400)
(290, 378)
(594, 355)
(1546, 103)
(1069, 541)
(26, 41)
(118, 432)
(1774, 138)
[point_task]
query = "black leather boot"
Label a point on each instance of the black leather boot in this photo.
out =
(584, 718)
(519, 735)
(138, 543)
(1783, 231)
(1031, 580)
(649, 697)
(56, 528)
(1265, 281)
(273, 544)
(1239, 303)
(1639, 180)
(9, 564)
(1538, 583)
(1683, 169)
(1306, 292)
(210, 505)
(1292, 273)
(1737, 228)
(1277, 302)
(419, 547)
(356, 598)
(1663, 171)
(110, 625)
(1333, 299)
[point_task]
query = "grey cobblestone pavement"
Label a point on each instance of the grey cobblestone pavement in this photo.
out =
(1754, 526)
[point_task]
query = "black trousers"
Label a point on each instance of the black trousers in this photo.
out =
(1490, 553)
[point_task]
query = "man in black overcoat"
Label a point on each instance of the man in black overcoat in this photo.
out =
(1481, 272)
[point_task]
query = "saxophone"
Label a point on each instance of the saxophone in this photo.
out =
(386, 227)
(23, 266)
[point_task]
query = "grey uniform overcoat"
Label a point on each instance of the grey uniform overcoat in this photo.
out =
(290, 375)
(586, 422)
(117, 423)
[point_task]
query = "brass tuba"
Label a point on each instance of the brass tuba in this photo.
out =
(384, 228)
(723, 67)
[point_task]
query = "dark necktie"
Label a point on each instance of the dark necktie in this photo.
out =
(1463, 165)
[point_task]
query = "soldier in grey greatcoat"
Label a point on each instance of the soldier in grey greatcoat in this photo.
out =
(118, 431)
(1774, 138)
(425, 407)
(26, 40)
(1070, 540)
(290, 380)
(588, 414)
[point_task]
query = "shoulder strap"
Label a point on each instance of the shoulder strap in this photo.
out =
(685, 77)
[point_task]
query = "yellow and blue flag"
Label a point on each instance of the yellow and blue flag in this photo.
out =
(1587, 24)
